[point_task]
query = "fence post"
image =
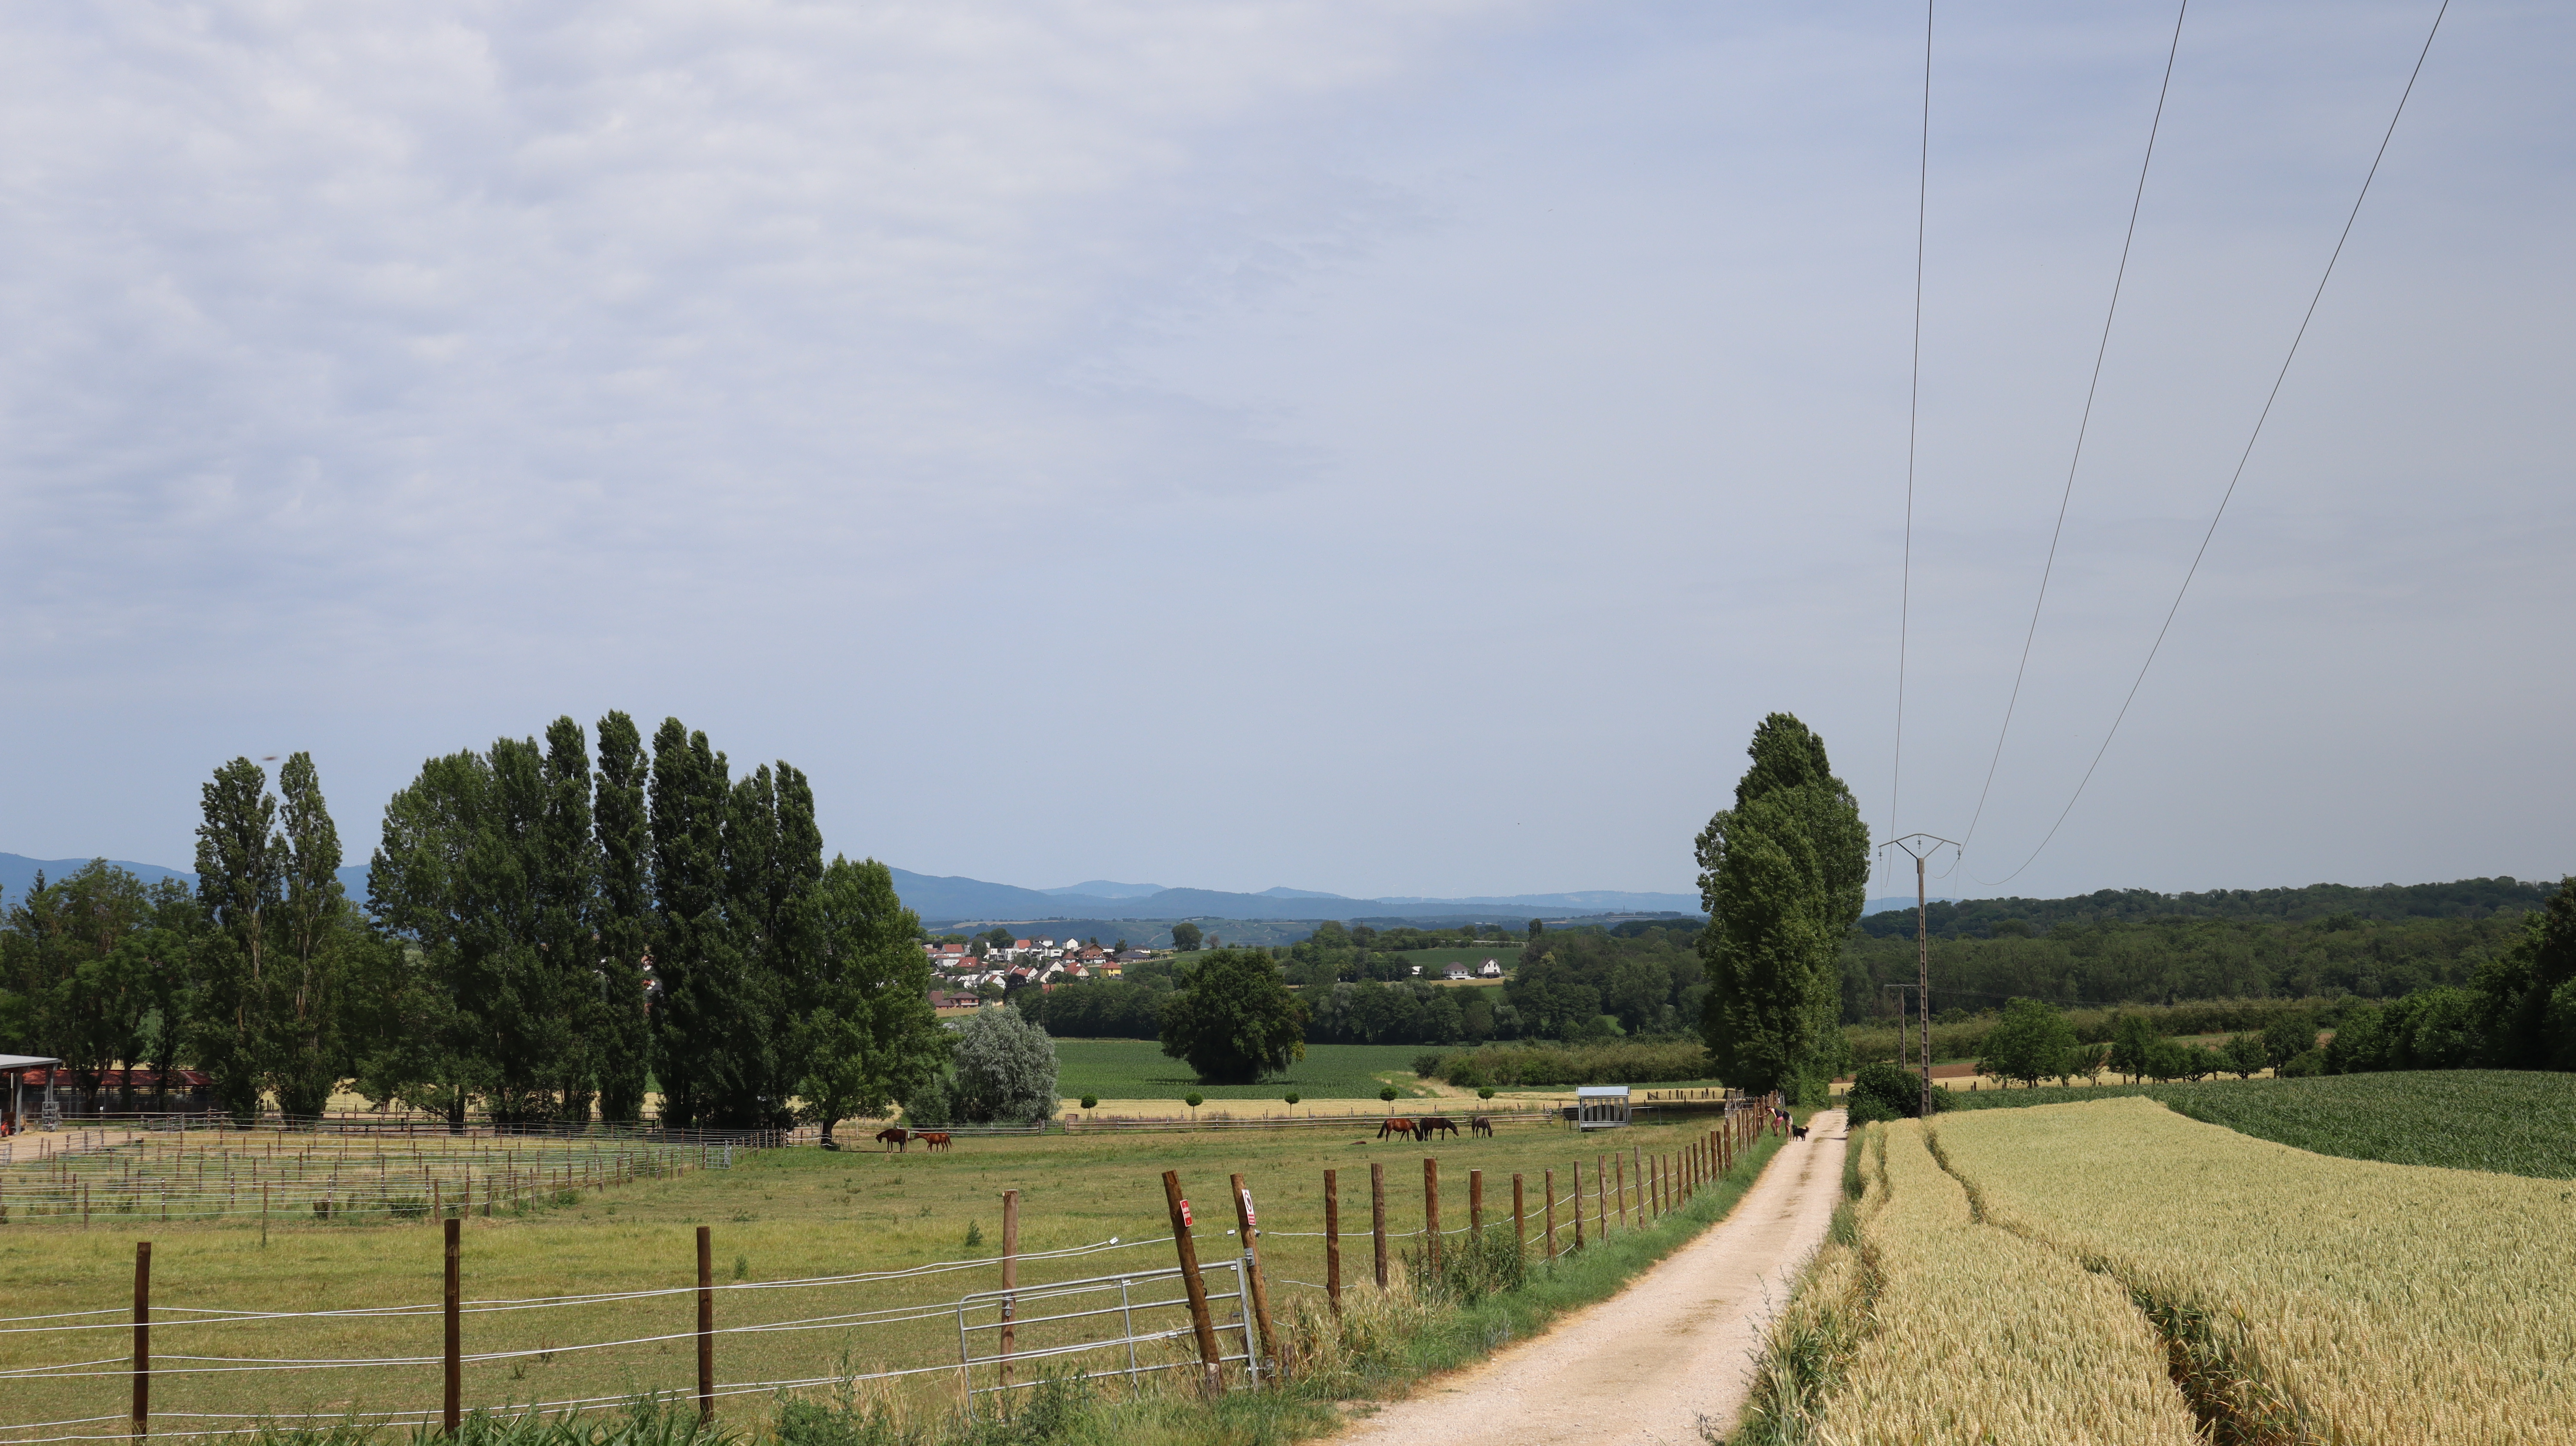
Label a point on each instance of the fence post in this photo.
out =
(706, 1325)
(1578, 1204)
(1010, 1282)
(1246, 1220)
(452, 1345)
(1333, 1240)
(1377, 1218)
(1637, 1160)
(1618, 1192)
(1520, 1233)
(1210, 1378)
(1431, 1211)
(142, 1337)
(1549, 1187)
(1476, 1201)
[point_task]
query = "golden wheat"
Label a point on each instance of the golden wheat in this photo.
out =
(2394, 1303)
(1976, 1335)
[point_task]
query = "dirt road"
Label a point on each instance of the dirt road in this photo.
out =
(1646, 1366)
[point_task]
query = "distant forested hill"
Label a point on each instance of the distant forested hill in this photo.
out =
(1986, 918)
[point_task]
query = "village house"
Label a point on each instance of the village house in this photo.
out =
(1489, 970)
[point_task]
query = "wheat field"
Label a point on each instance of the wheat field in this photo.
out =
(2386, 1303)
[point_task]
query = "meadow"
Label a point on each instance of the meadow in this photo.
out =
(2512, 1122)
(1133, 1069)
(789, 1228)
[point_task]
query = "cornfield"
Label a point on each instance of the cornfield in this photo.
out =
(2364, 1301)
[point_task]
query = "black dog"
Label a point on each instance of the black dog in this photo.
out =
(1797, 1132)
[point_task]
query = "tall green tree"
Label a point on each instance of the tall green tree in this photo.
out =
(865, 1035)
(564, 873)
(699, 977)
(1783, 874)
(1186, 936)
(240, 879)
(1232, 1018)
(317, 937)
(624, 919)
(94, 970)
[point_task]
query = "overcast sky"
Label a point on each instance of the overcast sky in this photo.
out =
(1374, 448)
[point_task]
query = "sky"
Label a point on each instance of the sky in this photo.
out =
(1376, 449)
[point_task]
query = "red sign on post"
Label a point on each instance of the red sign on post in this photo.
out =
(1185, 1213)
(1249, 1215)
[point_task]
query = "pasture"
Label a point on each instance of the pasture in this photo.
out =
(588, 1295)
(1137, 1069)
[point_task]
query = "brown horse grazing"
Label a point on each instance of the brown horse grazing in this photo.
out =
(894, 1137)
(1425, 1126)
(1396, 1127)
(935, 1139)
(1480, 1125)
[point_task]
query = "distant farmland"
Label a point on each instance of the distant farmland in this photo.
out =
(1132, 1069)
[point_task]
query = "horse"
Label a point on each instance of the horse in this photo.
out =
(935, 1139)
(894, 1137)
(1424, 1127)
(1480, 1125)
(1396, 1127)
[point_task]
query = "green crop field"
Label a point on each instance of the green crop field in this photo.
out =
(1129, 1069)
(2508, 1122)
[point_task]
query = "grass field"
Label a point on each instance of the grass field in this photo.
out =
(1129, 1069)
(783, 1215)
(2511, 1122)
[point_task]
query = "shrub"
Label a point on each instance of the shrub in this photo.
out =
(1387, 1094)
(1485, 1092)
(1194, 1099)
(1426, 1065)
(933, 1104)
(2305, 1064)
(1884, 1091)
(1292, 1097)
(1091, 1102)
(1005, 1069)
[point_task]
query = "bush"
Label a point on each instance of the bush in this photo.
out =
(1426, 1065)
(2304, 1065)
(1868, 1109)
(1484, 1092)
(1387, 1094)
(1884, 1091)
(1091, 1102)
(933, 1104)
(1292, 1097)
(1005, 1070)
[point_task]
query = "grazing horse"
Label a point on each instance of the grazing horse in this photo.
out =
(1480, 1125)
(894, 1137)
(1423, 1128)
(1396, 1127)
(935, 1139)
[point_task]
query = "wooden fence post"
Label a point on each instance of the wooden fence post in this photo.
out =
(1618, 1192)
(1210, 1379)
(1520, 1234)
(1637, 1164)
(1476, 1201)
(1010, 1280)
(142, 1337)
(1578, 1204)
(1377, 1218)
(1547, 1183)
(1333, 1240)
(706, 1324)
(1431, 1211)
(1246, 1220)
(452, 1305)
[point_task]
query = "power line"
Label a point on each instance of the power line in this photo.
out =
(2082, 425)
(2248, 454)
(1913, 405)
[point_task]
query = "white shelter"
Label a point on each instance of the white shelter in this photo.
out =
(1600, 1107)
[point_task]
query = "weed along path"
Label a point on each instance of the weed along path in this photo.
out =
(1647, 1366)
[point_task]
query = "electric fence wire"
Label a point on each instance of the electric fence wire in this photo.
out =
(2083, 424)
(2244, 457)
(1913, 412)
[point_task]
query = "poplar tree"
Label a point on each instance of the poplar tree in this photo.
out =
(624, 920)
(316, 938)
(564, 859)
(695, 969)
(240, 878)
(1783, 875)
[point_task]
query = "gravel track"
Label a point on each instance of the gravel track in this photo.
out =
(1647, 1366)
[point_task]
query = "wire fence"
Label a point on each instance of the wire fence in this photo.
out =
(229, 1369)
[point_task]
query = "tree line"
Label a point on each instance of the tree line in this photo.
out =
(549, 936)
